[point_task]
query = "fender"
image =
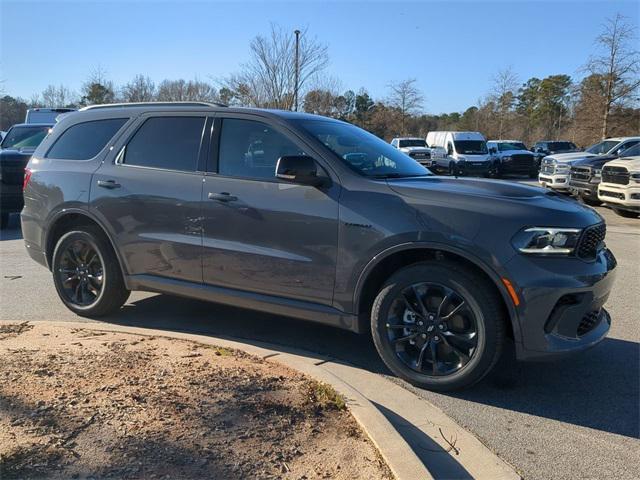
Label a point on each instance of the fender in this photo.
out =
(88, 214)
(491, 273)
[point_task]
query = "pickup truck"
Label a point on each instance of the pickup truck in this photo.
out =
(585, 175)
(512, 157)
(554, 170)
(415, 147)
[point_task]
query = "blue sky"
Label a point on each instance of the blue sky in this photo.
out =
(452, 48)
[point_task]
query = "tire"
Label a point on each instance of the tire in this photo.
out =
(626, 213)
(453, 171)
(4, 220)
(112, 293)
(482, 302)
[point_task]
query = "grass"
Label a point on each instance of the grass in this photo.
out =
(324, 396)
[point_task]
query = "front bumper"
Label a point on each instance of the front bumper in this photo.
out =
(562, 300)
(625, 196)
(585, 189)
(474, 168)
(555, 181)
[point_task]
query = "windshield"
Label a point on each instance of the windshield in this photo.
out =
(471, 147)
(560, 146)
(24, 137)
(362, 151)
(632, 151)
(414, 142)
(602, 147)
(506, 146)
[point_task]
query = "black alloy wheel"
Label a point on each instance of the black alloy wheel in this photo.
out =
(432, 329)
(80, 272)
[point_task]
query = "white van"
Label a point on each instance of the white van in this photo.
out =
(459, 153)
(45, 115)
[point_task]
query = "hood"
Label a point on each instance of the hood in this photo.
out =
(493, 201)
(508, 153)
(596, 161)
(567, 157)
(630, 163)
(415, 149)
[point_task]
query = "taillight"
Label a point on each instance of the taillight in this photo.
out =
(27, 177)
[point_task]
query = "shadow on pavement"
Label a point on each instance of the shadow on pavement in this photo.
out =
(597, 389)
(438, 461)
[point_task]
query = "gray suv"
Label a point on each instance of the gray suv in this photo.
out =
(314, 218)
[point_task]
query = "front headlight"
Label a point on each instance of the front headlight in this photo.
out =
(635, 177)
(462, 159)
(562, 168)
(597, 173)
(547, 240)
(507, 158)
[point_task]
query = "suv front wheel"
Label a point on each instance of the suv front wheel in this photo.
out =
(87, 274)
(438, 325)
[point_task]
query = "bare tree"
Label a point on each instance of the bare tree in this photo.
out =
(268, 79)
(186, 91)
(140, 89)
(504, 86)
(59, 96)
(618, 64)
(407, 98)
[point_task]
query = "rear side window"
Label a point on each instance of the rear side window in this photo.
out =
(171, 143)
(83, 141)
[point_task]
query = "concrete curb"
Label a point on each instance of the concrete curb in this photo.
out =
(413, 436)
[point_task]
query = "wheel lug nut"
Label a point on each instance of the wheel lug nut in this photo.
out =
(436, 338)
(420, 323)
(424, 335)
(441, 327)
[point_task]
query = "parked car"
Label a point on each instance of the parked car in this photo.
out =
(459, 153)
(416, 148)
(585, 175)
(16, 149)
(543, 148)
(332, 225)
(45, 115)
(512, 157)
(620, 186)
(554, 171)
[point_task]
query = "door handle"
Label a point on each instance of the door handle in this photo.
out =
(222, 197)
(110, 184)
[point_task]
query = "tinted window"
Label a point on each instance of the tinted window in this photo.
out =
(471, 147)
(632, 152)
(85, 140)
(166, 142)
(252, 149)
(25, 137)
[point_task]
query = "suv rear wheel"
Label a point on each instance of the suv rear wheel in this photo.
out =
(87, 274)
(438, 326)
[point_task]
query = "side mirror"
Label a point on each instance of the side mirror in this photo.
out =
(493, 150)
(300, 169)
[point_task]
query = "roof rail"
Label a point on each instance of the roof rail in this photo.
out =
(153, 104)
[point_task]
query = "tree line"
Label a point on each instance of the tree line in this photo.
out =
(604, 102)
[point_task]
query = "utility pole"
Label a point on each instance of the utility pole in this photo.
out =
(297, 70)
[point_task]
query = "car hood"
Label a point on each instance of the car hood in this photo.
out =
(508, 153)
(567, 157)
(493, 201)
(596, 161)
(415, 149)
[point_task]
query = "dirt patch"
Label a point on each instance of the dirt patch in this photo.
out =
(76, 403)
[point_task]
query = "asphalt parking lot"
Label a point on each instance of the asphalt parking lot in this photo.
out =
(578, 418)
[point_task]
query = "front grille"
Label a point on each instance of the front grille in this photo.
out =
(591, 241)
(522, 160)
(619, 175)
(581, 173)
(589, 322)
(607, 193)
(420, 155)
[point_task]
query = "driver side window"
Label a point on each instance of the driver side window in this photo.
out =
(251, 149)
